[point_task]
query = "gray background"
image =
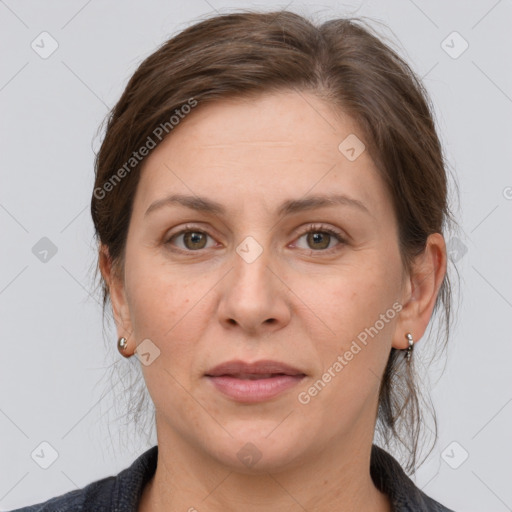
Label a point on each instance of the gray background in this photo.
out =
(54, 358)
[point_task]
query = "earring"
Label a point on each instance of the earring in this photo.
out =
(122, 344)
(410, 347)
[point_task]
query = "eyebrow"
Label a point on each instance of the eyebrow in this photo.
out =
(290, 206)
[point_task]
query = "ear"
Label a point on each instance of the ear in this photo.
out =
(115, 283)
(420, 292)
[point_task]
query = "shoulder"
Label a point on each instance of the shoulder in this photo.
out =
(121, 492)
(97, 493)
(390, 478)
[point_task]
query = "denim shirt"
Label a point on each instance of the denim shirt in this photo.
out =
(122, 493)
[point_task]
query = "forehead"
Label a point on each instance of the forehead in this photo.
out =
(273, 145)
(280, 118)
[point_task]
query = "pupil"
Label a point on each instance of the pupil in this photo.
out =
(318, 237)
(194, 238)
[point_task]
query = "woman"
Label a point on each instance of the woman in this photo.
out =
(270, 202)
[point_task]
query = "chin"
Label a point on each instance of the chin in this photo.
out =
(253, 451)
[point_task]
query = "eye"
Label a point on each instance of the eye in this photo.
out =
(319, 238)
(192, 239)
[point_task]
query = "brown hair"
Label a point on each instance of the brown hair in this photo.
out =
(249, 53)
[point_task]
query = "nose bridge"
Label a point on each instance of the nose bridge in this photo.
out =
(252, 297)
(251, 261)
(253, 248)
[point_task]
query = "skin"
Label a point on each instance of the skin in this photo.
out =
(302, 301)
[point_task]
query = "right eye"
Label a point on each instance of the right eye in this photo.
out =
(192, 239)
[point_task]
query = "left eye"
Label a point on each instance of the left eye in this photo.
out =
(319, 238)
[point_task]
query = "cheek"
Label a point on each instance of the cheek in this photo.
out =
(357, 305)
(354, 298)
(160, 300)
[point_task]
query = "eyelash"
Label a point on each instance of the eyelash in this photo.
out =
(313, 228)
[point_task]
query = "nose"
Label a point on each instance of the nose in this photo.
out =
(254, 296)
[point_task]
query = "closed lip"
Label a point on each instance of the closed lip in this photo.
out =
(238, 368)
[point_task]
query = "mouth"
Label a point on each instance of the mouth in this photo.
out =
(251, 376)
(253, 382)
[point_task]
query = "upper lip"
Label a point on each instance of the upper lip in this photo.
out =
(237, 367)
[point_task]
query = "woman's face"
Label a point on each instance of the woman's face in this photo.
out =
(243, 281)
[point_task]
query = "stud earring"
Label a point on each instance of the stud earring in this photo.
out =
(122, 344)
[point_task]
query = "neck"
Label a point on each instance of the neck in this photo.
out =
(338, 479)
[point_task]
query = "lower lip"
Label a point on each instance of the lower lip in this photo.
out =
(258, 390)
